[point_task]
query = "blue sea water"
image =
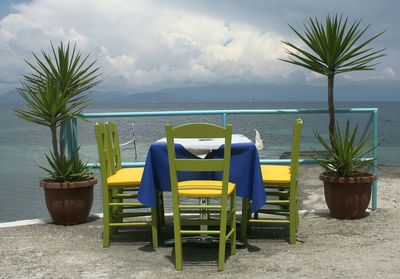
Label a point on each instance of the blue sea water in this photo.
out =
(22, 144)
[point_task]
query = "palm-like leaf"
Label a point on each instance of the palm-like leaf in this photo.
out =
(55, 93)
(335, 47)
(346, 156)
(67, 170)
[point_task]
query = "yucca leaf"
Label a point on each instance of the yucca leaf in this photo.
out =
(346, 155)
(54, 94)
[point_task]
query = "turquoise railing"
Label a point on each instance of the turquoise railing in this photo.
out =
(72, 130)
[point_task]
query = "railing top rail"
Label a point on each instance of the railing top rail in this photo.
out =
(216, 112)
(71, 136)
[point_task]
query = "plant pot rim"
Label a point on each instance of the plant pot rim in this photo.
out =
(363, 178)
(68, 185)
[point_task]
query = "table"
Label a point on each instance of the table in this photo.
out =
(245, 172)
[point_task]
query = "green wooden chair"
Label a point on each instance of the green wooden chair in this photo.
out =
(119, 187)
(222, 190)
(281, 188)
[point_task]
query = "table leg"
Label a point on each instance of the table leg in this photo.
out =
(203, 216)
(203, 238)
(245, 218)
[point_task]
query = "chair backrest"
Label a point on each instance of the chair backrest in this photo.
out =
(108, 148)
(103, 138)
(297, 127)
(199, 130)
(115, 151)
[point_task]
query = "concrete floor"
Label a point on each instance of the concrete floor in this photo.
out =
(326, 247)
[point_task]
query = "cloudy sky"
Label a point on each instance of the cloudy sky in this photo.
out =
(144, 45)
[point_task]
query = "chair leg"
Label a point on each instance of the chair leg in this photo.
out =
(154, 226)
(177, 236)
(222, 240)
(297, 208)
(245, 218)
(292, 237)
(106, 225)
(233, 223)
(114, 210)
(296, 216)
(292, 222)
(161, 212)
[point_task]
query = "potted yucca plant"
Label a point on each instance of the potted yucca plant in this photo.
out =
(347, 180)
(336, 48)
(55, 94)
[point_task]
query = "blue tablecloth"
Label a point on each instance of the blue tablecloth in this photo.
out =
(245, 172)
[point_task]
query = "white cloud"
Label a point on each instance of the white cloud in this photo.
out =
(386, 74)
(390, 74)
(139, 43)
(151, 44)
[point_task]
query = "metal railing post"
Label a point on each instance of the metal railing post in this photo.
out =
(367, 127)
(71, 137)
(375, 164)
(224, 119)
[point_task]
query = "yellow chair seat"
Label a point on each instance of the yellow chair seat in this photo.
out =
(276, 168)
(203, 188)
(275, 174)
(126, 177)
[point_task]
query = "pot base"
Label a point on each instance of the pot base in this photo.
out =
(347, 198)
(69, 205)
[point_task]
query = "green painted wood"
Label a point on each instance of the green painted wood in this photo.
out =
(199, 130)
(288, 198)
(131, 224)
(271, 221)
(202, 130)
(197, 211)
(155, 227)
(133, 214)
(185, 232)
(113, 146)
(230, 233)
(197, 222)
(130, 207)
(115, 198)
(199, 206)
(105, 172)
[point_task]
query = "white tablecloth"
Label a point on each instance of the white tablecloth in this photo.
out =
(203, 146)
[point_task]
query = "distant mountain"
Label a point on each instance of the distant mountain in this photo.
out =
(14, 98)
(382, 92)
(229, 93)
(11, 98)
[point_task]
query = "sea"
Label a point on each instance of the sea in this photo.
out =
(23, 144)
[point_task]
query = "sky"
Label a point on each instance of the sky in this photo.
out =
(147, 45)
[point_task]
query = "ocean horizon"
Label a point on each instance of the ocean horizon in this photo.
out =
(23, 144)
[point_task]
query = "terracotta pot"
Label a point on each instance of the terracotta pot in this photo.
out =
(69, 203)
(347, 198)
